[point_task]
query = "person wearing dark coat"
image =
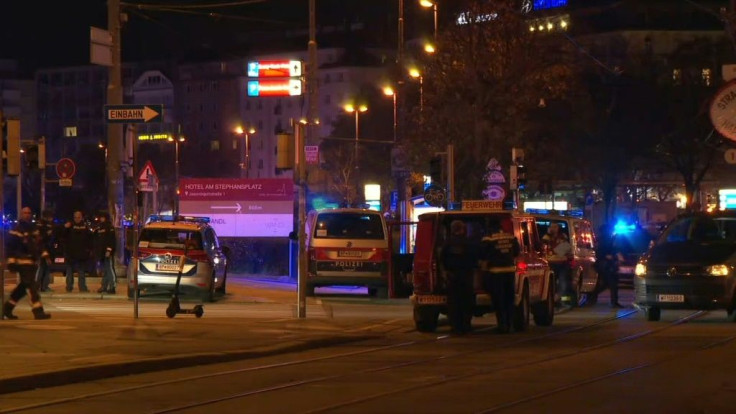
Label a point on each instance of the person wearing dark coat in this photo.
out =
(77, 251)
(24, 249)
(48, 235)
(607, 264)
(499, 250)
(459, 258)
(104, 243)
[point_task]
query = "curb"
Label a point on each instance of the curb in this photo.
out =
(105, 371)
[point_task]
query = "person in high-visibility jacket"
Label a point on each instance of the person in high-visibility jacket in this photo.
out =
(24, 250)
(499, 250)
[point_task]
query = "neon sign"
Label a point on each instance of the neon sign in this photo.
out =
(548, 4)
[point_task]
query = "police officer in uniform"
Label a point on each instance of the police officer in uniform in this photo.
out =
(24, 249)
(105, 250)
(499, 250)
(459, 258)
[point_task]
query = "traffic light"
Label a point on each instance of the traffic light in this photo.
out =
(11, 144)
(435, 169)
(521, 177)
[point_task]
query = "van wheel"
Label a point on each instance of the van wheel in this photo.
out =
(380, 293)
(653, 313)
(521, 312)
(575, 295)
(731, 311)
(544, 312)
(425, 318)
(209, 295)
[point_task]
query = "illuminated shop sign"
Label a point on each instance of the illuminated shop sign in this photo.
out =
(548, 4)
(275, 69)
(276, 87)
(154, 137)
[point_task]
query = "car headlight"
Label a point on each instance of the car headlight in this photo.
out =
(718, 270)
(640, 269)
(216, 260)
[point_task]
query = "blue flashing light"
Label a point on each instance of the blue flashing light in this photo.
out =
(622, 227)
(171, 218)
(577, 213)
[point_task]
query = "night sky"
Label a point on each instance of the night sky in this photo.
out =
(56, 33)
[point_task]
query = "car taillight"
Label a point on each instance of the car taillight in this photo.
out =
(521, 267)
(143, 254)
(199, 257)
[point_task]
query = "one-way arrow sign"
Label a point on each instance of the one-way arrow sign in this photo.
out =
(133, 114)
(237, 207)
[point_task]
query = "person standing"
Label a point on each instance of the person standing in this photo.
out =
(77, 251)
(607, 264)
(499, 250)
(104, 243)
(24, 250)
(459, 259)
(559, 255)
(48, 238)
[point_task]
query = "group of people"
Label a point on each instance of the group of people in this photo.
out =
(495, 257)
(30, 249)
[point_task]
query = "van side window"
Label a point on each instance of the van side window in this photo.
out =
(526, 233)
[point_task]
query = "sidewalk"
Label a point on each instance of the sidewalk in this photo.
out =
(73, 347)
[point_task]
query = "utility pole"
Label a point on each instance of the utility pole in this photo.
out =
(2, 208)
(115, 178)
(301, 180)
(312, 90)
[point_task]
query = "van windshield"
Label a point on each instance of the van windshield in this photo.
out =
(349, 226)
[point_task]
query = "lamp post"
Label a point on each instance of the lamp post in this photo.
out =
(356, 110)
(389, 91)
(245, 156)
(176, 140)
(414, 73)
(433, 5)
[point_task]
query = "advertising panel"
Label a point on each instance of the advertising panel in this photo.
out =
(240, 207)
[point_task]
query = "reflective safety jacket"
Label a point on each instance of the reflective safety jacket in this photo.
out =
(24, 244)
(498, 253)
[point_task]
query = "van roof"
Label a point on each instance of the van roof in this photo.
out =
(347, 210)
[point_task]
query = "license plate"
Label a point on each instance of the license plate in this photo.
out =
(58, 260)
(627, 270)
(167, 267)
(670, 298)
(349, 253)
(431, 299)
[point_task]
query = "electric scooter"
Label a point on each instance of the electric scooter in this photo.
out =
(174, 307)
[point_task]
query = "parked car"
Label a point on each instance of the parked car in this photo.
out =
(692, 265)
(170, 244)
(584, 276)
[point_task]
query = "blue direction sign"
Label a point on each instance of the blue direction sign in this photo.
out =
(134, 114)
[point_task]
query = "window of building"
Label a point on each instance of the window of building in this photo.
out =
(328, 99)
(260, 105)
(677, 76)
(707, 75)
(260, 164)
(327, 78)
(235, 144)
(214, 145)
(188, 108)
(260, 125)
(215, 85)
(340, 77)
(70, 131)
(247, 105)
(215, 125)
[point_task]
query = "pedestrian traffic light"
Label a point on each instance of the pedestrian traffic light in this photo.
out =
(435, 169)
(521, 176)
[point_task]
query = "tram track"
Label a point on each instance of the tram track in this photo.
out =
(316, 379)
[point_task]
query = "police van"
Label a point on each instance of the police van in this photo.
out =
(348, 247)
(535, 287)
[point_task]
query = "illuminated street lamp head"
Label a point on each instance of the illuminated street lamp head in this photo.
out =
(429, 48)
(388, 91)
(180, 138)
(351, 108)
(100, 145)
(426, 3)
(414, 73)
(239, 130)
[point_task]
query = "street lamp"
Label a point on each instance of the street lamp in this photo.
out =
(356, 110)
(433, 5)
(414, 73)
(389, 91)
(245, 156)
(176, 140)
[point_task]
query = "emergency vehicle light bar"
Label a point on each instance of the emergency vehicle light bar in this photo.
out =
(172, 218)
(563, 213)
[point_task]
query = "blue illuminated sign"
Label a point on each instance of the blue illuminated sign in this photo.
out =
(548, 4)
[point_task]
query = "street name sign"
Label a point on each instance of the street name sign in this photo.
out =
(134, 114)
(241, 207)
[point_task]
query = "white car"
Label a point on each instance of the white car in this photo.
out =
(170, 245)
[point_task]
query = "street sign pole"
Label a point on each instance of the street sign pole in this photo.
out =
(300, 169)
